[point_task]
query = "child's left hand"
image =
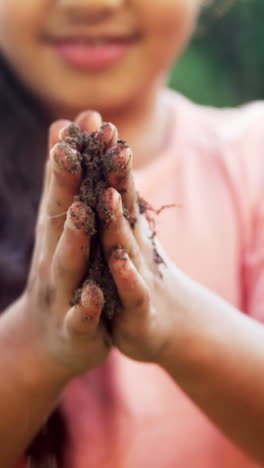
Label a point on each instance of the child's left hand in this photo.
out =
(141, 270)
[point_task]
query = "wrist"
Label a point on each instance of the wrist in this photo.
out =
(186, 354)
(25, 352)
(202, 336)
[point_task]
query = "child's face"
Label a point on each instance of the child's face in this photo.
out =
(76, 54)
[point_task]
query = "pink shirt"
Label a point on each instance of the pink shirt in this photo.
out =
(126, 414)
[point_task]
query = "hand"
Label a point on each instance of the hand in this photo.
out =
(71, 336)
(144, 276)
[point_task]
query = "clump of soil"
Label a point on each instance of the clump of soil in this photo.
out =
(96, 163)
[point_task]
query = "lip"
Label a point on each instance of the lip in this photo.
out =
(92, 53)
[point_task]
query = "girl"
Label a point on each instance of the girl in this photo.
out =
(59, 57)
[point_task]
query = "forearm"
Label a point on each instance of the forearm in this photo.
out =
(29, 387)
(220, 366)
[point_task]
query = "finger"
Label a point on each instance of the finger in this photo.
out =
(118, 162)
(108, 135)
(53, 137)
(115, 227)
(131, 287)
(71, 256)
(54, 131)
(46, 182)
(83, 318)
(64, 185)
(89, 121)
(71, 135)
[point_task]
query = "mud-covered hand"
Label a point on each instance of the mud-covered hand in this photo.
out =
(72, 337)
(143, 274)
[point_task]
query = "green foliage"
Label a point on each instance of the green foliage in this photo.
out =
(224, 64)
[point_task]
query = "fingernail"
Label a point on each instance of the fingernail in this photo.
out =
(107, 134)
(89, 121)
(65, 157)
(92, 295)
(109, 204)
(71, 135)
(81, 217)
(118, 157)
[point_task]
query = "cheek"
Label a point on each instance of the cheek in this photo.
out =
(168, 26)
(21, 19)
(170, 18)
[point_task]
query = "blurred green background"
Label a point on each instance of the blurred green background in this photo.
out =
(224, 64)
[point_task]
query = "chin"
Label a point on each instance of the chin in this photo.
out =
(69, 109)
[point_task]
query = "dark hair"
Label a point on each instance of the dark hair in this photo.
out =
(23, 143)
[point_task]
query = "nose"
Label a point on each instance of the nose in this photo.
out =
(89, 11)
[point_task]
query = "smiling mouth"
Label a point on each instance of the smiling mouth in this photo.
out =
(94, 41)
(92, 53)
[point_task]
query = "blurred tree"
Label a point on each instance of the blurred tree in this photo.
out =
(224, 64)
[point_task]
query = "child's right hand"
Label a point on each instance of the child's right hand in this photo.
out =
(71, 337)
